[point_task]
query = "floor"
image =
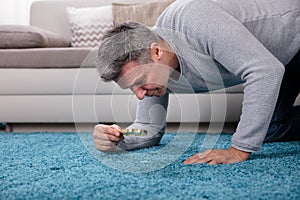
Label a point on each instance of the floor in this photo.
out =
(62, 127)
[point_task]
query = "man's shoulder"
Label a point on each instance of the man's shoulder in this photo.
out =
(183, 11)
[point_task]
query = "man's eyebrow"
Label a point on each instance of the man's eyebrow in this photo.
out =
(138, 82)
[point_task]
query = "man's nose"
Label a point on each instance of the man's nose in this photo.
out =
(140, 93)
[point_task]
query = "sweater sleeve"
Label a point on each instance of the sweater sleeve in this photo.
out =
(236, 49)
(150, 116)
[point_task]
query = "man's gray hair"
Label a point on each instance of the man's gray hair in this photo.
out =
(124, 43)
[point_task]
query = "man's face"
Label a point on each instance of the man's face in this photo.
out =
(144, 80)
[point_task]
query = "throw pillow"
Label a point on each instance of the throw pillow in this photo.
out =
(19, 36)
(89, 24)
(146, 13)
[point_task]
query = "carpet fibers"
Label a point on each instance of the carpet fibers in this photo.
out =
(67, 166)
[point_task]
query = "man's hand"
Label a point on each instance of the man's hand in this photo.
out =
(219, 156)
(107, 137)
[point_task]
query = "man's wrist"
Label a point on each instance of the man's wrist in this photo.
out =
(243, 155)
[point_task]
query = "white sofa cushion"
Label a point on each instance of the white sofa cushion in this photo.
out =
(89, 24)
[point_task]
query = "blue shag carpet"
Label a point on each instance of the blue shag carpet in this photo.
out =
(66, 166)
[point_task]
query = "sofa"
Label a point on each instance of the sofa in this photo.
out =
(61, 85)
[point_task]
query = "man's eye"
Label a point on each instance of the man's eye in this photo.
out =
(139, 83)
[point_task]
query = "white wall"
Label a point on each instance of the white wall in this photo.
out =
(15, 11)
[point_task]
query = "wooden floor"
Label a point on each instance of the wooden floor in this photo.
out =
(62, 127)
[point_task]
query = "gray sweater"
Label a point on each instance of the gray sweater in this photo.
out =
(220, 43)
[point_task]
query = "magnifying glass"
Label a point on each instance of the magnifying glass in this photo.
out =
(134, 132)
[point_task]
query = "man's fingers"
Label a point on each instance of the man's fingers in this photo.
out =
(99, 136)
(218, 156)
(204, 154)
(113, 138)
(115, 126)
(198, 158)
(213, 162)
(191, 160)
(104, 142)
(208, 156)
(107, 137)
(105, 145)
(111, 130)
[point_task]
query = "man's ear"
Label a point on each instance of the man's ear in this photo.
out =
(156, 51)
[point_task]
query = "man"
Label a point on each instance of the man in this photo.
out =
(253, 42)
